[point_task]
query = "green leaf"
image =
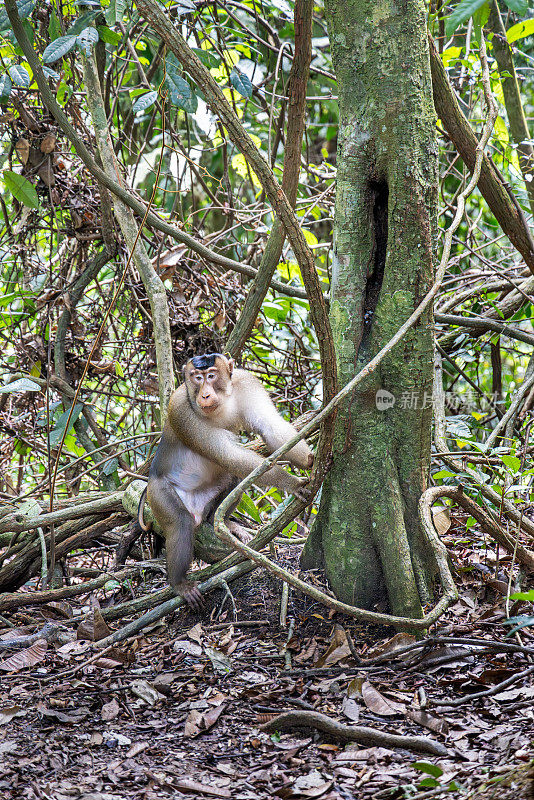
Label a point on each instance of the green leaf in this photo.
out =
(248, 506)
(184, 7)
(115, 11)
(520, 31)
(59, 48)
(462, 12)
(110, 466)
(523, 620)
(24, 7)
(144, 102)
(284, 8)
(430, 769)
(19, 75)
(427, 783)
(512, 463)
(20, 385)
(241, 82)
(5, 87)
(457, 427)
(87, 39)
(111, 585)
(21, 188)
(529, 596)
(82, 22)
(57, 434)
(51, 73)
(519, 6)
(108, 36)
(180, 93)
(209, 59)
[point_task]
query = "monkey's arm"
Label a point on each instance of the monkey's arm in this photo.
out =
(221, 446)
(263, 418)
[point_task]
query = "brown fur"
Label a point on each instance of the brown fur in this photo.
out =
(199, 456)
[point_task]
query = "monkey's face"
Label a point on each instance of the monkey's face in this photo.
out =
(209, 381)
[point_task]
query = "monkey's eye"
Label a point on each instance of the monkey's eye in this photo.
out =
(211, 376)
(197, 378)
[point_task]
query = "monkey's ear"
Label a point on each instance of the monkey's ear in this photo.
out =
(230, 366)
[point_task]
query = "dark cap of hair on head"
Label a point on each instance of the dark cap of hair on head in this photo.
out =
(205, 361)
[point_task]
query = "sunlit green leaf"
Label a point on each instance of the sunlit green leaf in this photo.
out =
(520, 31)
(247, 505)
(528, 596)
(512, 463)
(109, 36)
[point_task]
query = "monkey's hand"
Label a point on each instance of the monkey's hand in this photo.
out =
(303, 491)
(191, 594)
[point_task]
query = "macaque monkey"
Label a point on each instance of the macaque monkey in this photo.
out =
(199, 458)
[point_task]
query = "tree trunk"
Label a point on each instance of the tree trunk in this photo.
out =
(367, 531)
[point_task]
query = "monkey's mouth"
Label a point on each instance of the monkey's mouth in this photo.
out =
(209, 409)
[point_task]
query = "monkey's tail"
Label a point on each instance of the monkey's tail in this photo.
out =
(140, 508)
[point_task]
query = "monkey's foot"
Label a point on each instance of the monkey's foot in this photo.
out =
(191, 594)
(239, 531)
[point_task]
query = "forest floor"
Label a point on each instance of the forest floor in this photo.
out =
(176, 711)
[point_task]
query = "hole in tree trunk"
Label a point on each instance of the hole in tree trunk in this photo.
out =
(379, 194)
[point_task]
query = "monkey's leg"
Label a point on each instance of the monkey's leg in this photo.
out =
(238, 530)
(178, 526)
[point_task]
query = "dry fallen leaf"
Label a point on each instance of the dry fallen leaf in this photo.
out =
(187, 785)
(197, 722)
(8, 712)
(48, 143)
(430, 721)
(378, 704)
(396, 642)
(93, 629)
(337, 650)
(441, 517)
(351, 709)
(23, 150)
(110, 710)
(26, 658)
(146, 692)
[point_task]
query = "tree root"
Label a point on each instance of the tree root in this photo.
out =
(352, 733)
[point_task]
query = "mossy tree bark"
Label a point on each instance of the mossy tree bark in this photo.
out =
(367, 531)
